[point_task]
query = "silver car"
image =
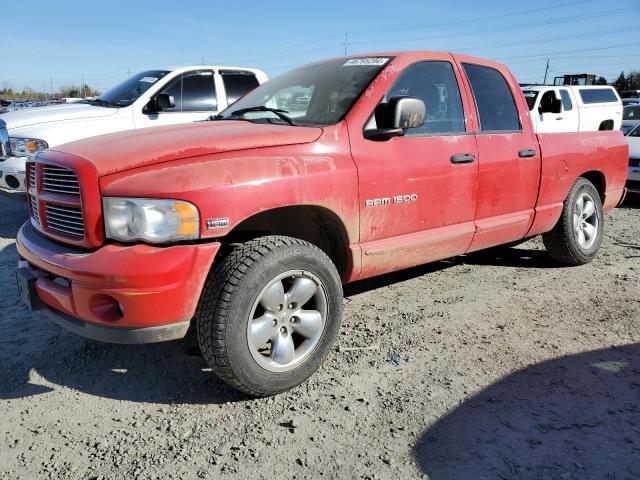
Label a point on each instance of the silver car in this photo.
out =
(633, 177)
(630, 118)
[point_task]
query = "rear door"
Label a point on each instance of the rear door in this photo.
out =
(418, 191)
(570, 113)
(509, 161)
(236, 84)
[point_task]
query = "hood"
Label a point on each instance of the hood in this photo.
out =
(54, 113)
(117, 152)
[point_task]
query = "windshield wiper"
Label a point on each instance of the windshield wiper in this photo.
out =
(103, 103)
(277, 111)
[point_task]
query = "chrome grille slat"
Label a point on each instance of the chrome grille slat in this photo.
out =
(66, 228)
(64, 209)
(71, 223)
(51, 179)
(54, 214)
(60, 180)
(34, 210)
(60, 191)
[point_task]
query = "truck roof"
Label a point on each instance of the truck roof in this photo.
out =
(213, 67)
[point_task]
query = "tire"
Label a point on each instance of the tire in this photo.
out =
(243, 290)
(577, 243)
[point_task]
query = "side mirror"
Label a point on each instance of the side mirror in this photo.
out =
(395, 116)
(162, 101)
(552, 106)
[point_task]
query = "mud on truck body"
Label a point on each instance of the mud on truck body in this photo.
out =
(244, 228)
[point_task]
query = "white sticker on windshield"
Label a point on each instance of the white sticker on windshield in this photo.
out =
(148, 79)
(365, 61)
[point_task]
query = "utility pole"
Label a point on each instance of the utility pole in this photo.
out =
(82, 86)
(128, 72)
(51, 83)
(346, 42)
(546, 71)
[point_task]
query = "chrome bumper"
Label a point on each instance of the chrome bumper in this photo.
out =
(12, 176)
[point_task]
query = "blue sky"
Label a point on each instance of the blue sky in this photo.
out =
(65, 41)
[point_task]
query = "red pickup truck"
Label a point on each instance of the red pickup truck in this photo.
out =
(245, 227)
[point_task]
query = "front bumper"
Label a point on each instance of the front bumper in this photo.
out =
(12, 177)
(123, 294)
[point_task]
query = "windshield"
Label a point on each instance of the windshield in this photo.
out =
(631, 112)
(317, 94)
(127, 92)
(531, 96)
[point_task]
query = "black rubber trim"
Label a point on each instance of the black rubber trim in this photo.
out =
(161, 333)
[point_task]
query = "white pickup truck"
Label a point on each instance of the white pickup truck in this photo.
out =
(575, 108)
(151, 98)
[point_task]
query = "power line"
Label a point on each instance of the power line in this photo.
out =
(580, 50)
(473, 20)
(555, 21)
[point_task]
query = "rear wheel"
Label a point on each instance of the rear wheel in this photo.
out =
(577, 236)
(269, 314)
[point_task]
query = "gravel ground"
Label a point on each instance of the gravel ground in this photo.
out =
(494, 365)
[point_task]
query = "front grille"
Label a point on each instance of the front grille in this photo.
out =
(66, 220)
(60, 180)
(54, 201)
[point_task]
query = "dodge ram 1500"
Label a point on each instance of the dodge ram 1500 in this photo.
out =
(244, 228)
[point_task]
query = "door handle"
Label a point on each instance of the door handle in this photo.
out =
(527, 153)
(462, 158)
(559, 118)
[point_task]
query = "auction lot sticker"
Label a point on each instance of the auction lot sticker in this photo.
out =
(365, 61)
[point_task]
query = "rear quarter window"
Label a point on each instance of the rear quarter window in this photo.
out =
(598, 95)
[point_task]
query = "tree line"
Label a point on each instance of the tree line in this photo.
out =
(628, 82)
(28, 93)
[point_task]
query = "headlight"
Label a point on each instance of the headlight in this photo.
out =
(150, 220)
(26, 147)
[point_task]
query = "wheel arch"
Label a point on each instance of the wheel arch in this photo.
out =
(597, 178)
(315, 224)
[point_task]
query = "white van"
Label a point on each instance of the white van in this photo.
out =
(151, 98)
(575, 108)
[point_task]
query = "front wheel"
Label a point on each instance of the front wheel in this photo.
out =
(269, 314)
(577, 236)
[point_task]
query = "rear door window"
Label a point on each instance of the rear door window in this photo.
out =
(193, 92)
(567, 104)
(237, 83)
(497, 109)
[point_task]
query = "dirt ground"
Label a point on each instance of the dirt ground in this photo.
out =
(497, 365)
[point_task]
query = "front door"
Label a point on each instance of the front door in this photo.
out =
(418, 191)
(194, 93)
